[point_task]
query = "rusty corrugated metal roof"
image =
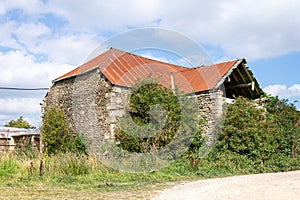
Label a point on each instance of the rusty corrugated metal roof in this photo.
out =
(126, 69)
(206, 77)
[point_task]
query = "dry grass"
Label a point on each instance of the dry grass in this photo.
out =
(75, 177)
(41, 191)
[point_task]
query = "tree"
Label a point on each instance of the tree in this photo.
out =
(19, 123)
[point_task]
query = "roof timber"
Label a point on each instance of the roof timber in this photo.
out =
(241, 82)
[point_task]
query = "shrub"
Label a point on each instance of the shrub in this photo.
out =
(267, 137)
(56, 135)
(141, 101)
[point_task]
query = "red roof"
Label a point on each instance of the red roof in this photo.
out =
(125, 69)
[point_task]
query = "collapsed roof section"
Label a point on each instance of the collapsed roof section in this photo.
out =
(126, 69)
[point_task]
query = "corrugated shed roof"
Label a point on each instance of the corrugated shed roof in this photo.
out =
(125, 69)
(8, 132)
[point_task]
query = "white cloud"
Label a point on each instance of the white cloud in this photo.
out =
(22, 36)
(20, 105)
(38, 39)
(18, 69)
(72, 49)
(28, 6)
(29, 34)
(114, 15)
(252, 29)
(283, 91)
(12, 108)
(34, 118)
(6, 39)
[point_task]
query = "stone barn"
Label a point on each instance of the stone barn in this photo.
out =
(94, 96)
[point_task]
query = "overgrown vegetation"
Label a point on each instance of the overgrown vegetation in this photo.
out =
(254, 139)
(57, 136)
(259, 139)
(144, 97)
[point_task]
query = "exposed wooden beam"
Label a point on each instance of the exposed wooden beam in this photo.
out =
(237, 80)
(251, 92)
(256, 87)
(243, 85)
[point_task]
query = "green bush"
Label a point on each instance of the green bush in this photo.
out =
(143, 98)
(56, 135)
(268, 137)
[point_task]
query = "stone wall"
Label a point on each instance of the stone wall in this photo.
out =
(210, 107)
(119, 101)
(93, 107)
(211, 110)
(84, 100)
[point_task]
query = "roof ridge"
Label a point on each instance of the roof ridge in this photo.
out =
(201, 66)
(158, 61)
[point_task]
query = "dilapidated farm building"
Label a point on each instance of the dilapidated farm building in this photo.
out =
(94, 95)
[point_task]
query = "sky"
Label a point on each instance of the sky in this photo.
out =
(42, 39)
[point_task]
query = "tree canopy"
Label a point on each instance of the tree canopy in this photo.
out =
(19, 123)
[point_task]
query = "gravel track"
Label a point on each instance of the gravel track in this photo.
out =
(259, 186)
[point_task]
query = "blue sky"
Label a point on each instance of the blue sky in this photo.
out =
(40, 40)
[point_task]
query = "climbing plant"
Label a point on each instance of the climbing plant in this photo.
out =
(143, 98)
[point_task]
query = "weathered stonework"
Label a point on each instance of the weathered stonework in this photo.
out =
(119, 101)
(211, 109)
(93, 106)
(84, 99)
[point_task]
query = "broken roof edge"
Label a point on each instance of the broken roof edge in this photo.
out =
(229, 72)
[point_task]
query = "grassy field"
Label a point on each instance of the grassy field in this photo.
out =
(69, 176)
(75, 177)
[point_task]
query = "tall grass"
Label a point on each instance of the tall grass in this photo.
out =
(72, 168)
(84, 172)
(8, 165)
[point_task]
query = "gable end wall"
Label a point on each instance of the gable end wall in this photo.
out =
(85, 105)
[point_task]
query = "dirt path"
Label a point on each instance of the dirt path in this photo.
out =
(260, 186)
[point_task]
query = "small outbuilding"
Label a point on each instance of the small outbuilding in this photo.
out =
(15, 138)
